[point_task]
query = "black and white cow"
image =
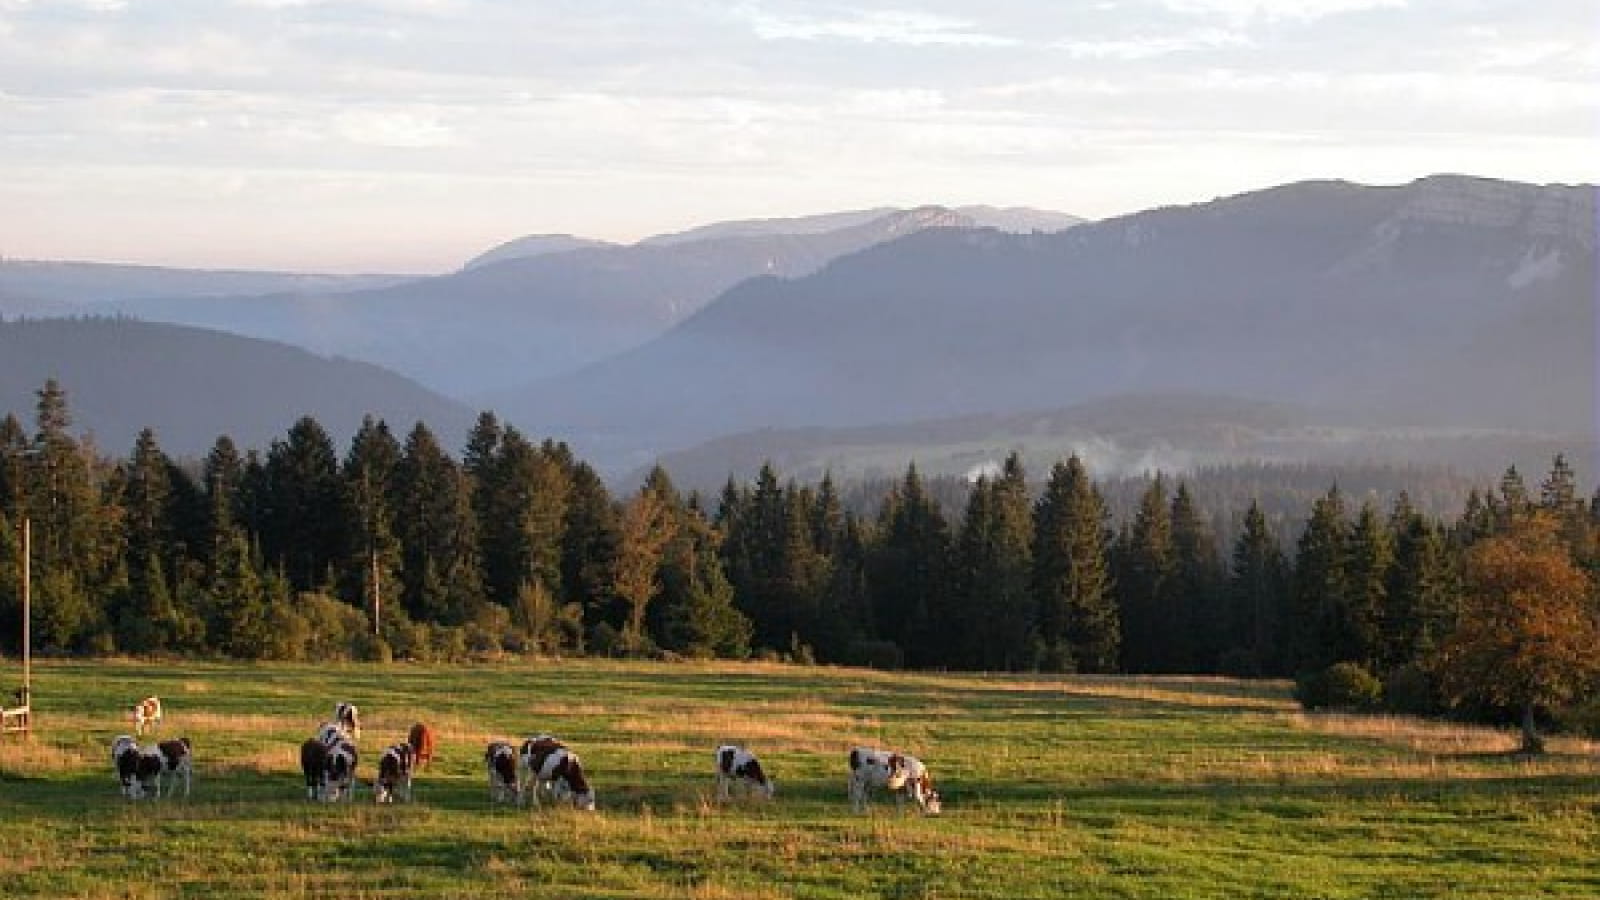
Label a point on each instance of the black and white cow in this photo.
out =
(313, 762)
(736, 764)
(125, 757)
(547, 765)
(394, 774)
(339, 772)
(177, 761)
(349, 719)
(897, 773)
(501, 762)
(149, 771)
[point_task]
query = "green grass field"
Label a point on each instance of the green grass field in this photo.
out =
(1072, 787)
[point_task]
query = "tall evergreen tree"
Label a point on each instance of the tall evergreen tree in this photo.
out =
(1078, 619)
(1319, 629)
(438, 539)
(372, 557)
(1422, 595)
(1258, 590)
(302, 534)
(908, 572)
(590, 538)
(1370, 564)
(1196, 586)
(1151, 629)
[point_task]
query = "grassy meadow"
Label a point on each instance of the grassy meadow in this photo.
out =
(1053, 787)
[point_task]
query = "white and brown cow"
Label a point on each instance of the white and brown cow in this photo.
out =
(339, 772)
(897, 773)
(547, 765)
(125, 757)
(146, 715)
(313, 761)
(501, 762)
(736, 764)
(394, 774)
(177, 761)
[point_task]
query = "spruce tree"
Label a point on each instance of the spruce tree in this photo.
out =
(372, 557)
(1152, 630)
(908, 573)
(1319, 629)
(1370, 563)
(1078, 621)
(590, 537)
(1258, 590)
(302, 536)
(1196, 588)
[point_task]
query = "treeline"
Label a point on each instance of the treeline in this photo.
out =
(519, 547)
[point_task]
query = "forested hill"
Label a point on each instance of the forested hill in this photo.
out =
(1436, 302)
(191, 384)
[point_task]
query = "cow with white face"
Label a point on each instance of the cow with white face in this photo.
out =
(738, 765)
(896, 773)
(349, 718)
(547, 765)
(125, 757)
(394, 774)
(501, 762)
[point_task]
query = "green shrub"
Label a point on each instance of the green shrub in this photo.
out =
(1410, 690)
(1343, 685)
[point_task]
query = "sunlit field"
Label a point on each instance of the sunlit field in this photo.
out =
(1053, 787)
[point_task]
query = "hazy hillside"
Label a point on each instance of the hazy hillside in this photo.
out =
(507, 323)
(1382, 301)
(533, 245)
(82, 283)
(191, 385)
(1119, 437)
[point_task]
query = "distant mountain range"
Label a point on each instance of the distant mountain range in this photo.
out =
(546, 304)
(192, 385)
(1450, 301)
(75, 285)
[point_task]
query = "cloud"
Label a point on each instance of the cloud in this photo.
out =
(906, 27)
(1152, 46)
(1280, 10)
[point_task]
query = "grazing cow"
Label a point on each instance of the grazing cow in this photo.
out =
(313, 760)
(339, 772)
(501, 762)
(146, 715)
(894, 772)
(736, 764)
(149, 767)
(177, 760)
(349, 719)
(394, 774)
(125, 756)
(332, 733)
(421, 741)
(547, 765)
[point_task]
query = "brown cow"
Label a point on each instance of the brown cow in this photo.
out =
(421, 741)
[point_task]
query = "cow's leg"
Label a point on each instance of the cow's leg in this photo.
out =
(722, 786)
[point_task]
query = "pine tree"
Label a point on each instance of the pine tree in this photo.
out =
(1078, 621)
(438, 538)
(1152, 631)
(1196, 586)
(302, 534)
(1258, 590)
(1319, 628)
(1370, 563)
(372, 557)
(590, 537)
(908, 572)
(1422, 597)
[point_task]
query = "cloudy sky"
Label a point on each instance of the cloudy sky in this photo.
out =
(407, 135)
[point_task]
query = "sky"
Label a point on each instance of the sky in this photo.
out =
(409, 135)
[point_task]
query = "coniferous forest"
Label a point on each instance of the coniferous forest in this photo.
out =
(519, 548)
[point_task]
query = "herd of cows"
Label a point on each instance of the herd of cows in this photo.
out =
(541, 767)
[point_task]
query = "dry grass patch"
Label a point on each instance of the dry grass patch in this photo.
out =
(771, 726)
(1438, 738)
(31, 758)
